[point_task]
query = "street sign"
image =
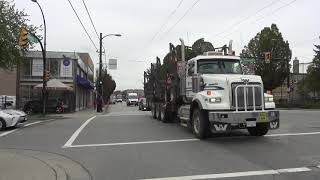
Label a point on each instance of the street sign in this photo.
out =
(113, 64)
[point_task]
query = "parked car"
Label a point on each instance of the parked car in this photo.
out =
(23, 117)
(8, 120)
(143, 104)
(51, 106)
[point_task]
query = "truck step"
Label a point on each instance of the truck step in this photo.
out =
(184, 124)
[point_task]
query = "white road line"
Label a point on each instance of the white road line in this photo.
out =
(116, 115)
(132, 143)
(292, 134)
(8, 132)
(73, 137)
(236, 174)
(292, 170)
(11, 131)
(29, 124)
(77, 132)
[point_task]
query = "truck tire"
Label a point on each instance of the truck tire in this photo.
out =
(2, 124)
(200, 124)
(259, 130)
(154, 111)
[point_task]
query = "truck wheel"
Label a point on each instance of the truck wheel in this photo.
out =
(200, 124)
(154, 111)
(2, 124)
(260, 130)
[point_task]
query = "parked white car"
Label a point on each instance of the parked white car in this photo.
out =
(23, 117)
(8, 120)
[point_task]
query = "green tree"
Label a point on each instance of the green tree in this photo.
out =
(108, 84)
(312, 83)
(11, 20)
(269, 40)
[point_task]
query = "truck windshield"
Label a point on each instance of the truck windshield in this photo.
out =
(219, 66)
(132, 97)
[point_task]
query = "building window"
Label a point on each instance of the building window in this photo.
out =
(54, 68)
(25, 71)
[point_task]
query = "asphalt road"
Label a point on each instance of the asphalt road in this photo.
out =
(125, 143)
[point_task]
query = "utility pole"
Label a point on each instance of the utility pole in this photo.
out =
(100, 74)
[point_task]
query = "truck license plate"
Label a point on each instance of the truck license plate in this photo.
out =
(251, 124)
(263, 116)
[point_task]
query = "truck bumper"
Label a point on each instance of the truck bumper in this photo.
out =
(224, 120)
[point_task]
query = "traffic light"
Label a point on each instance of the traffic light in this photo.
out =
(23, 33)
(46, 75)
(267, 57)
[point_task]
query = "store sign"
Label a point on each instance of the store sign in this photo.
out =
(37, 67)
(66, 68)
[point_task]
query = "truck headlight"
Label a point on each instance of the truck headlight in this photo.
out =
(215, 100)
(268, 99)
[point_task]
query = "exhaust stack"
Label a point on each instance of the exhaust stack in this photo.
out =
(182, 50)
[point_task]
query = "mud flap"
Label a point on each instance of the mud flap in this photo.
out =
(275, 124)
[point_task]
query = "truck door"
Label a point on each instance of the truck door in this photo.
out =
(190, 71)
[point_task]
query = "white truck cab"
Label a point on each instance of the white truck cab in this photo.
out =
(223, 98)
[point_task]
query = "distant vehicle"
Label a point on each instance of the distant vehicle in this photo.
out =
(8, 120)
(119, 98)
(143, 104)
(112, 100)
(51, 106)
(23, 117)
(132, 99)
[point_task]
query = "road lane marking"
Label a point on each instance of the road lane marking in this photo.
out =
(237, 174)
(292, 134)
(14, 130)
(77, 132)
(73, 137)
(122, 114)
(132, 143)
(8, 132)
(29, 124)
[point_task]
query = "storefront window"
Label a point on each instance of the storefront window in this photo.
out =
(54, 68)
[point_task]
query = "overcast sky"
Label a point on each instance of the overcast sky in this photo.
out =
(139, 20)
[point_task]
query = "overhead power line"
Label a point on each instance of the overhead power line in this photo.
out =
(246, 18)
(82, 25)
(167, 20)
(183, 16)
(276, 10)
(94, 27)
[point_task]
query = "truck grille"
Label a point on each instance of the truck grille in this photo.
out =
(258, 94)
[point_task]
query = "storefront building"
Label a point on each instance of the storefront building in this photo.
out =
(71, 68)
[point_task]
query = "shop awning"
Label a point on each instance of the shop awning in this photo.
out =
(84, 82)
(54, 84)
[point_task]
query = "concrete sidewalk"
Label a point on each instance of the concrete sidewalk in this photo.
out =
(85, 112)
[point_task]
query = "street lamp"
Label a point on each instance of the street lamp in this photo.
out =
(44, 59)
(99, 106)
